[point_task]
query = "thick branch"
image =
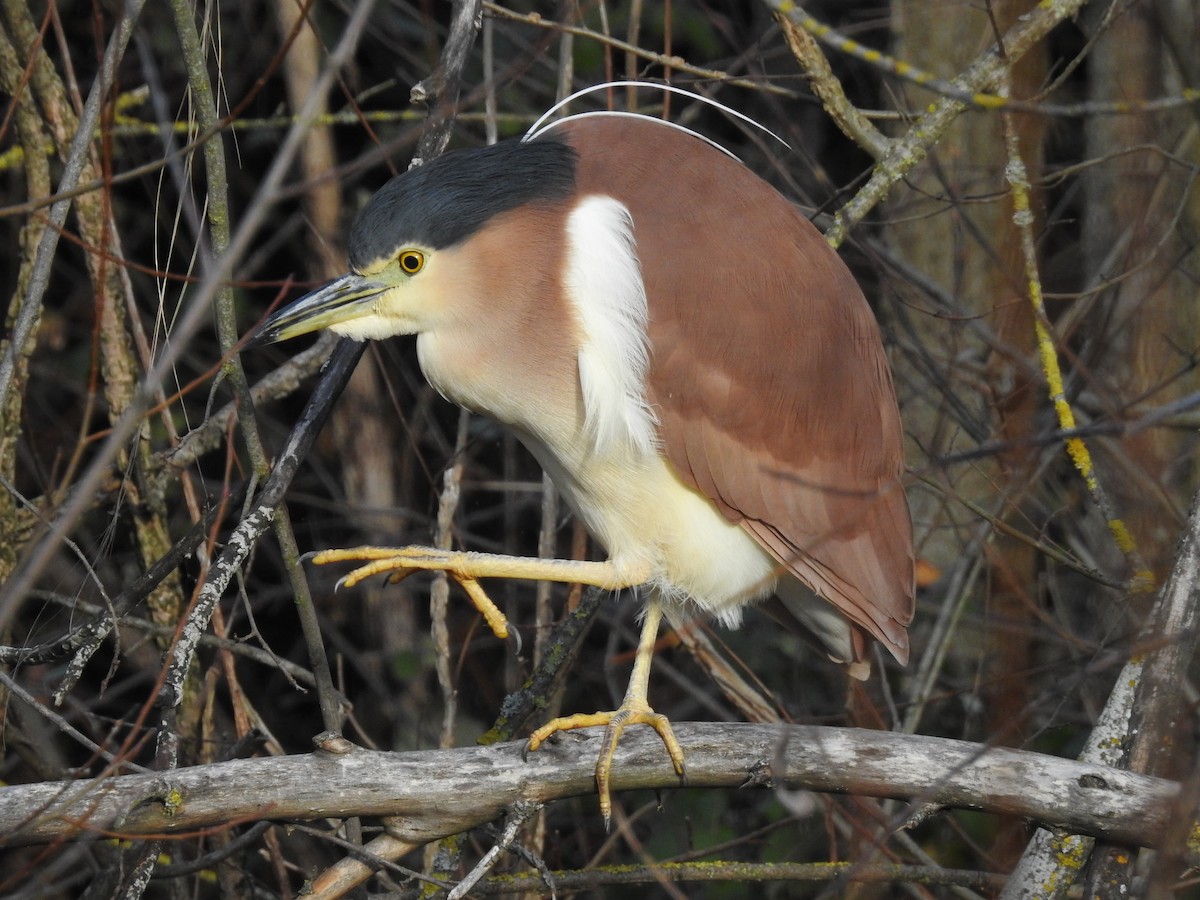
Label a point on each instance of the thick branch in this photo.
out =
(430, 794)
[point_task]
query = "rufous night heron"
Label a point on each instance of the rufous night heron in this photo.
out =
(686, 357)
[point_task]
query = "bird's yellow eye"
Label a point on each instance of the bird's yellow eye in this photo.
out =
(411, 261)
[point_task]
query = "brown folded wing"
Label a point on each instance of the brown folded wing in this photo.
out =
(791, 426)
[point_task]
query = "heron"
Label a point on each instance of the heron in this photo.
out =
(684, 354)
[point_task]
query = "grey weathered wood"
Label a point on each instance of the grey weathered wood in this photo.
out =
(430, 794)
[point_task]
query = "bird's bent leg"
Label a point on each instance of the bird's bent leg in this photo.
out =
(635, 710)
(468, 568)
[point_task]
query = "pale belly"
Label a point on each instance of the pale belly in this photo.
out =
(655, 529)
(648, 520)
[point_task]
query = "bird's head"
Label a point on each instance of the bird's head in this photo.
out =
(404, 247)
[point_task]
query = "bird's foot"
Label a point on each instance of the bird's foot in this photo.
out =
(400, 562)
(468, 568)
(632, 712)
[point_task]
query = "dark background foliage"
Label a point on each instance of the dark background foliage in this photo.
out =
(1026, 612)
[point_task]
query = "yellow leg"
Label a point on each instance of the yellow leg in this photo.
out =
(468, 568)
(635, 710)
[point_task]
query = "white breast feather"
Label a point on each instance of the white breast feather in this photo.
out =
(604, 282)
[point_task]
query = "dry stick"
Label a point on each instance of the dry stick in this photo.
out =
(546, 549)
(341, 363)
(829, 91)
(86, 640)
(31, 137)
(752, 703)
(1052, 860)
(518, 813)
(1157, 720)
(36, 705)
(298, 676)
(953, 603)
(218, 218)
(263, 515)
(631, 38)
(343, 357)
(191, 319)
(606, 40)
(439, 594)
(908, 151)
(516, 710)
(548, 533)
(118, 365)
(217, 214)
(117, 352)
(441, 91)
(1142, 580)
(217, 206)
(148, 460)
(1148, 710)
(29, 308)
(129, 125)
(744, 873)
(281, 382)
(980, 99)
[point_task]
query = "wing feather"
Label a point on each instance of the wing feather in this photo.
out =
(767, 374)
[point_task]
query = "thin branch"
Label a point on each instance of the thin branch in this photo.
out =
(743, 873)
(1052, 860)
(1141, 578)
(189, 321)
(1158, 717)
(341, 363)
(908, 151)
(39, 281)
(981, 99)
(828, 89)
(671, 63)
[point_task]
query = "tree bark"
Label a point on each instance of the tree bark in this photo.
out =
(431, 794)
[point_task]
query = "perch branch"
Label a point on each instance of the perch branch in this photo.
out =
(431, 794)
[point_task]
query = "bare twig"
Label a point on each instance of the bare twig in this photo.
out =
(1158, 706)
(518, 814)
(826, 86)
(341, 363)
(76, 161)
(1141, 578)
(190, 319)
(908, 151)
(744, 874)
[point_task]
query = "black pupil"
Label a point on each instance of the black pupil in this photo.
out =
(410, 261)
